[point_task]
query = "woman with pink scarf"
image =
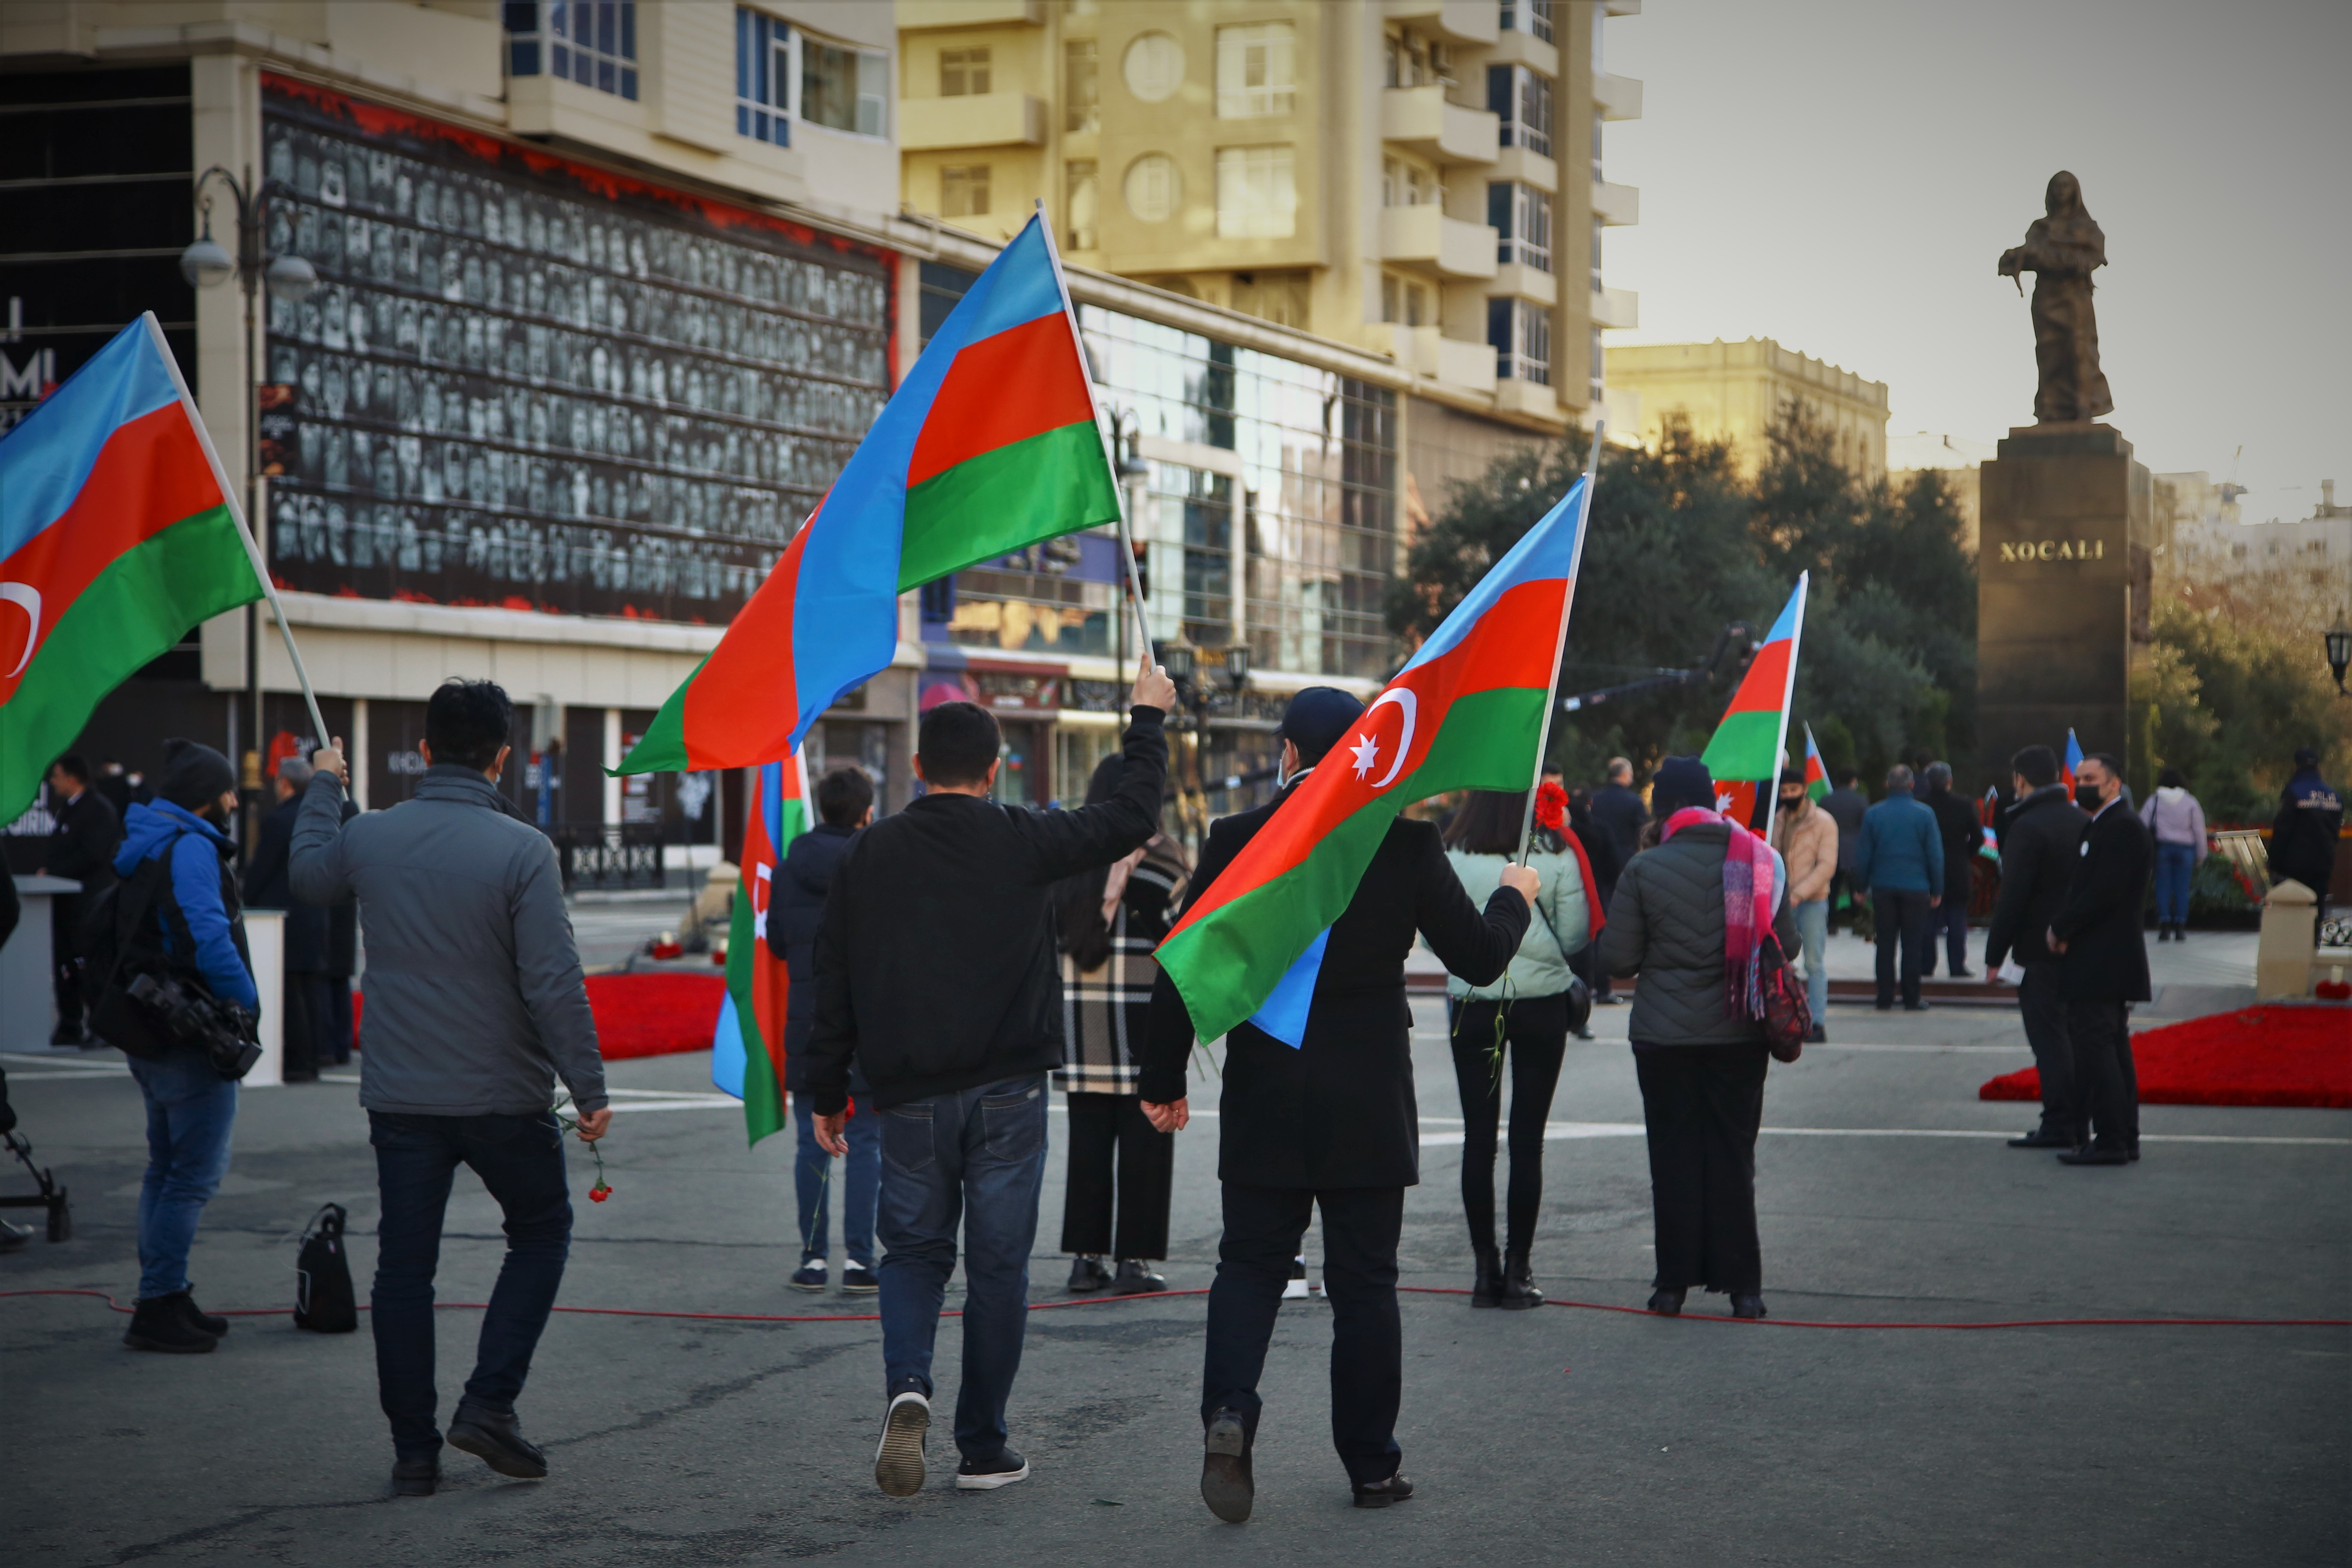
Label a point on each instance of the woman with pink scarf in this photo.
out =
(1690, 917)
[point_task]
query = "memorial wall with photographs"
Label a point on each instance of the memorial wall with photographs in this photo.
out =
(525, 383)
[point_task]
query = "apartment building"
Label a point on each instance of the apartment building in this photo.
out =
(1422, 179)
(1735, 392)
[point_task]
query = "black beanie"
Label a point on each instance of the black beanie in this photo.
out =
(195, 775)
(1680, 782)
(1317, 716)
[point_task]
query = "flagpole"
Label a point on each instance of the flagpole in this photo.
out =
(1559, 639)
(243, 530)
(1788, 692)
(1126, 537)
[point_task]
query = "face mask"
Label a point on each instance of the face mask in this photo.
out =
(2087, 796)
(1791, 802)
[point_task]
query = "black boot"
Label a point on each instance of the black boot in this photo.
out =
(1746, 1303)
(161, 1323)
(1666, 1303)
(210, 1322)
(1520, 1291)
(1135, 1277)
(415, 1477)
(1087, 1273)
(497, 1441)
(1486, 1284)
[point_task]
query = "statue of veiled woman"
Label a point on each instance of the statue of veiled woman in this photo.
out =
(2060, 250)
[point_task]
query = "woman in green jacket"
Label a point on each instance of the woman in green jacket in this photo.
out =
(1527, 1010)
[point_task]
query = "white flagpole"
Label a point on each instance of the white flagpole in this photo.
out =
(1126, 538)
(1771, 788)
(244, 531)
(1560, 639)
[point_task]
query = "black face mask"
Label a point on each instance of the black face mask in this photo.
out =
(1787, 804)
(2087, 796)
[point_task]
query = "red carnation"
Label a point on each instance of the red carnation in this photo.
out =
(1551, 805)
(599, 1193)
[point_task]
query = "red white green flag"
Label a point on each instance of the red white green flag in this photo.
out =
(1748, 745)
(747, 1052)
(1817, 777)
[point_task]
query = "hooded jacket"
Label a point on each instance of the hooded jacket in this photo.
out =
(2303, 836)
(198, 853)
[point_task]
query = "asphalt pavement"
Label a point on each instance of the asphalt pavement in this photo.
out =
(1886, 1196)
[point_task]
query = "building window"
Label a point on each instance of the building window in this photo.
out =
(1413, 61)
(1405, 183)
(1081, 87)
(1597, 227)
(592, 42)
(1523, 99)
(1520, 334)
(963, 190)
(1521, 218)
(1152, 187)
(1081, 200)
(1597, 365)
(1281, 298)
(844, 89)
(1404, 301)
(1597, 121)
(1531, 17)
(941, 288)
(1254, 70)
(963, 73)
(1257, 196)
(763, 77)
(1154, 67)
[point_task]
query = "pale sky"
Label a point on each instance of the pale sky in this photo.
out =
(1841, 175)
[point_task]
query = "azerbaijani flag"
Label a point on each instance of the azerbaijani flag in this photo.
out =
(117, 533)
(1987, 813)
(2073, 759)
(1465, 712)
(1817, 777)
(1746, 750)
(747, 1052)
(990, 444)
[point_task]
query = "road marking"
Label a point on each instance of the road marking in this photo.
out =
(1556, 1131)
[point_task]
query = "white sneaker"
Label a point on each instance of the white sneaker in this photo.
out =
(1297, 1289)
(898, 1458)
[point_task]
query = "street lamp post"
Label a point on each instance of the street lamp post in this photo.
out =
(206, 264)
(2339, 653)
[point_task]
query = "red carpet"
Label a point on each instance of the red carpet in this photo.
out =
(2257, 1056)
(655, 1014)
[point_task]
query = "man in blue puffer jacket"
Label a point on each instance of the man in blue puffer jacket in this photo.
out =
(191, 1108)
(1900, 859)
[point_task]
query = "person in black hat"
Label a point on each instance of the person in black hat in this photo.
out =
(1331, 1124)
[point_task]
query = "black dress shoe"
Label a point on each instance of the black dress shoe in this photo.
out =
(1667, 1303)
(1380, 1494)
(1520, 1291)
(2096, 1156)
(1747, 1304)
(415, 1477)
(1226, 1484)
(1486, 1283)
(497, 1441)
(1135, 1277)
(2044, 1138)
(1086, 1274)
(1914, 1006)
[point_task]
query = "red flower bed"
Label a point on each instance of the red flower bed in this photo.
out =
(653, 1014)
(2257, 1056)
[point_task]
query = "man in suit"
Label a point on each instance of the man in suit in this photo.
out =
(1899, 857)
(1331, 1124)
(1847, 805)
(2038, 851)
(82, 848)
(2098, 937)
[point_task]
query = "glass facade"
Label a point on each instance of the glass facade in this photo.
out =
(592, 42)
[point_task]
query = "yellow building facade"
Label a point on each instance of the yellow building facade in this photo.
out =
(1418, 178)
(1735, 392)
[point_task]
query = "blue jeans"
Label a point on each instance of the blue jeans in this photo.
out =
(520, 1160)
(2175, 863)
(191, 1110)
(861, 1177)
(979, 1156)
(1813, 935)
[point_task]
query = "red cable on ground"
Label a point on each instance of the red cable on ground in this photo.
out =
(1414, 1289)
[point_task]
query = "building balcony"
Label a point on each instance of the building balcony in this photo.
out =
(1513, 48)
(1528, 167)
(1533, 398)
(1423, 119)
(1425, 239)
(1619, 207)
(1519, 280)
(1464, 21)
(1616, 308)
(981, 119)
(915, 16)
(1427, 350)
(1617, 97)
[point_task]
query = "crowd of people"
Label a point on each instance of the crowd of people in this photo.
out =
(952, 963)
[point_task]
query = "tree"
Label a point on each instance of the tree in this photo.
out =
(2227, 698)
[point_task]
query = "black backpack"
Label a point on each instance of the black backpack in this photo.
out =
(120, 942)
(324, 1302)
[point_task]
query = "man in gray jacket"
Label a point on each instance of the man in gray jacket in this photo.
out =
(475, 1003)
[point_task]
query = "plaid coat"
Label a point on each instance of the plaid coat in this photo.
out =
(1106, 1011)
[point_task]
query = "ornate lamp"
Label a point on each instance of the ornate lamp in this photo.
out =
(2339, 653)
(1237, 662)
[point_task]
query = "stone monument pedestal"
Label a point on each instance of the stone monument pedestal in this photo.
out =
(2062, 582)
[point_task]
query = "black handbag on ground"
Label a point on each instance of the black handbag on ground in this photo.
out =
(324, 1302)
(1788, 1018)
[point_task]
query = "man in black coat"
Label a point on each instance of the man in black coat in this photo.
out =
(2098, 934)
(2038, 850)
(1956, 825)
(82, 847)
(2303, 833)
(844, 803)
(1847, 805)
(936, 976)
(311, 1014)
(1618, 815)
(1331, 1124)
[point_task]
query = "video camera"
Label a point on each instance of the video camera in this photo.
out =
(224, 1031)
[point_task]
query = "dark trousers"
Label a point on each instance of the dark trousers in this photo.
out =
(311, 1022)
(1102, 1126)
(1536, 1029)
(1902, 916)
(1264, 1226)
(1703, 1105)
(2043, 1003)
(65, 961)
(335, 1049)
(2104, 1076)
(1948, 919)
(1586, 965)
(1840, 882)
(520, 1160)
